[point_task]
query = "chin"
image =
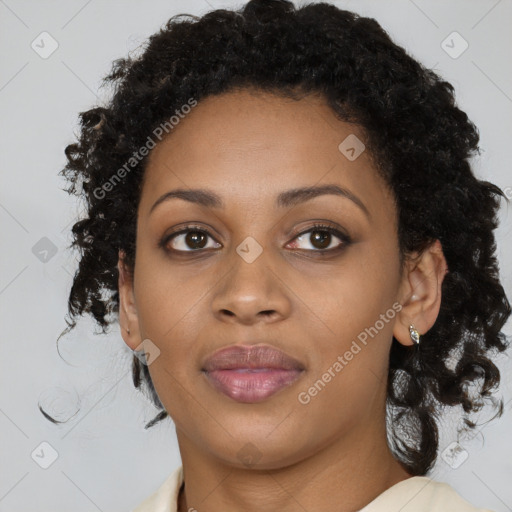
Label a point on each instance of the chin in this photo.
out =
(260, 451)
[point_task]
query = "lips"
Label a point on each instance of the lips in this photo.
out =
(251, 373)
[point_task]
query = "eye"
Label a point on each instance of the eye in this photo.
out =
(320, 238)
(189, 239)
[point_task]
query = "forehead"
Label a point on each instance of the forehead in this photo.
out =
(249, 146)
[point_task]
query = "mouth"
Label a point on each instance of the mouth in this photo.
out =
(250, 374)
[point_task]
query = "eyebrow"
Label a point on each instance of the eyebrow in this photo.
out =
(285, 199)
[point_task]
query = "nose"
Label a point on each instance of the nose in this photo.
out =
(250, 293)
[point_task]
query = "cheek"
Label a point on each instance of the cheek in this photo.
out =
(169, 307)
(358, 315)
(362, 290)
(168, 296)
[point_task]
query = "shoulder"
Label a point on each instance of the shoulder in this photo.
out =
(421, 494)
(165, 498)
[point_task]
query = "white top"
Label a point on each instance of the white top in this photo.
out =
(415, 494)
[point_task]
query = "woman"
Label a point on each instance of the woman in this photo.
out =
(282, 214)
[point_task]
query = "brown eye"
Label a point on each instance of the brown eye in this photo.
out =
(319, 239)
(195, 239)
(189, 240)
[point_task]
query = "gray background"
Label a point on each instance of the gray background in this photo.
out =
(106, 460)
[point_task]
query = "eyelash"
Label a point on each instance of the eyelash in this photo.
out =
(345, 239)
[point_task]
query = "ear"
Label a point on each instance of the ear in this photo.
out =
(128, 318)
(420, 292)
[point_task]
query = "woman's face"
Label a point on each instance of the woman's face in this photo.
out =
(256, 274)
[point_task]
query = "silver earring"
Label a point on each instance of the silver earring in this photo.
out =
(415, 335)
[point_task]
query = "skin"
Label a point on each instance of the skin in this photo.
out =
(248, 147)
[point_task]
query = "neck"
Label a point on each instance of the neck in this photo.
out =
(347, 472)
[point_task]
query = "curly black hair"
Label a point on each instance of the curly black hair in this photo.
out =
(420, 141)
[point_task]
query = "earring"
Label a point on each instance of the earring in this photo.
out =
(415, 335)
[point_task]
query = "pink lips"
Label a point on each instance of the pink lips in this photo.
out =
(251, 373)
